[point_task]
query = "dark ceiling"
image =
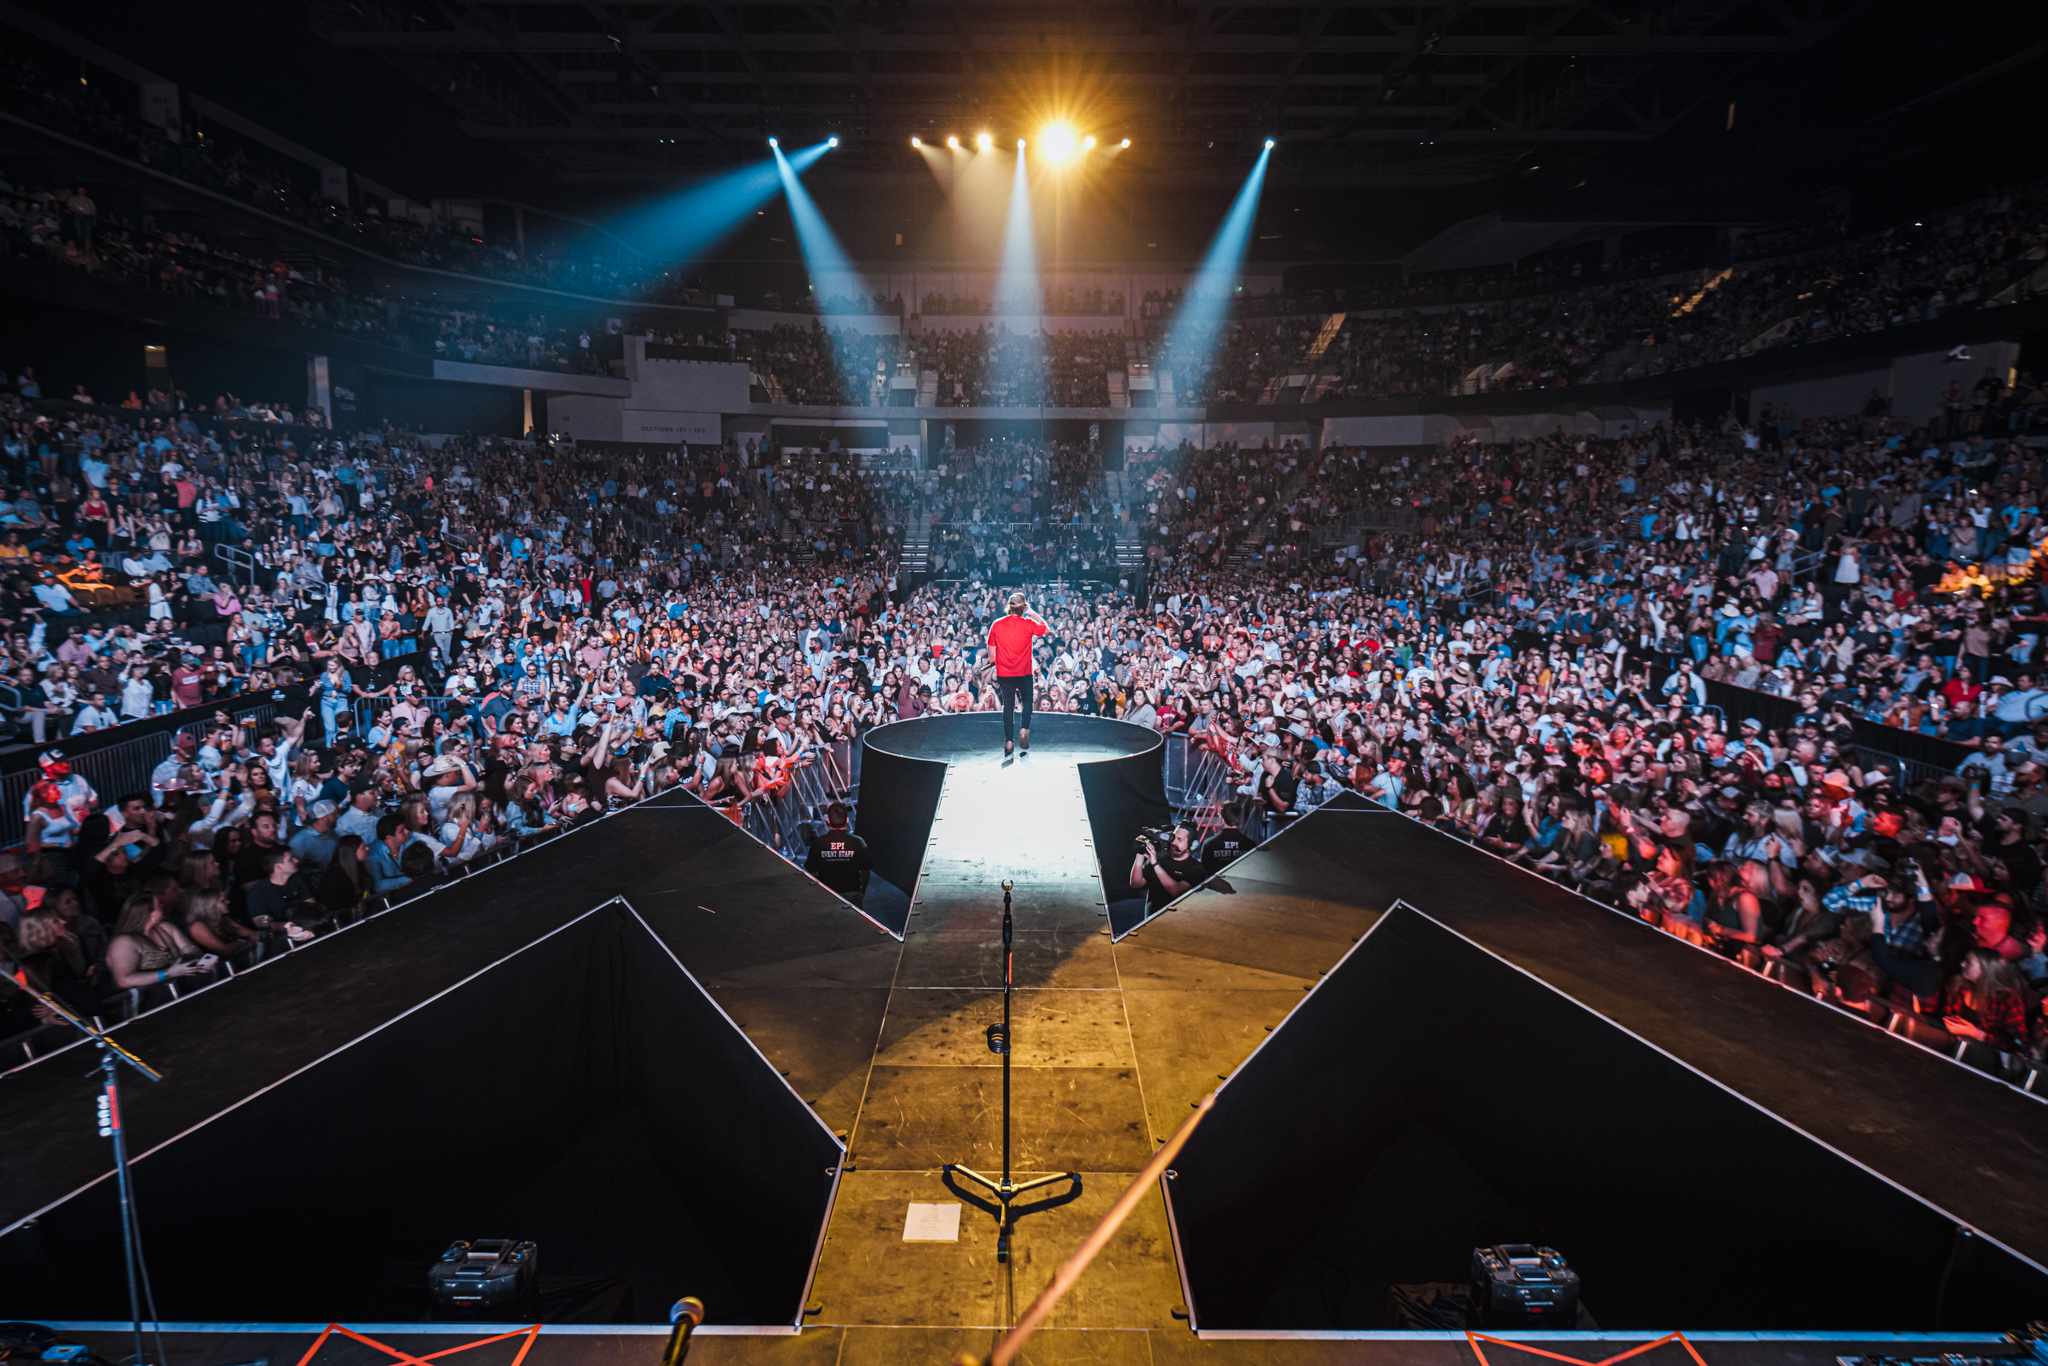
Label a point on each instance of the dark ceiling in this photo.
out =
(1357, 94)
(1394, 121)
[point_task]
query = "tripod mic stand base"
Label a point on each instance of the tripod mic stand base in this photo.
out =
(1005, 1192)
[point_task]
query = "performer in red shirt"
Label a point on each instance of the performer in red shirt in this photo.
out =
(1009, 644)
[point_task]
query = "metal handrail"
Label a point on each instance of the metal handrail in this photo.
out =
(236, 559)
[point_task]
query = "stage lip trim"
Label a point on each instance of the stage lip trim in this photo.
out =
(1571, 1335)
(583, 1330)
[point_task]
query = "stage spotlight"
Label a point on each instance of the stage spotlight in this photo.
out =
(834, 142)
(1269, 144)
(1088, 143)
(953, 143)
(773, 143)
(1127, 142)
(1058, 143)
(1020, 144)
(984, 142)
(917, 142)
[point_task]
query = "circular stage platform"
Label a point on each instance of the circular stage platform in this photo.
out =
(940, 802)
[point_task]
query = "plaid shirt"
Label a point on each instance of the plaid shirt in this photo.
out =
(1908, 936)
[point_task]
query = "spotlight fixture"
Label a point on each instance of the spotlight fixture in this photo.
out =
(831, 142)
(1269, 144)
(773, 143)
(1088, 143)
(1020, 144)
(953, 143)
(1058, 143)
(917, 142)
(1127, 142)
(984, 142)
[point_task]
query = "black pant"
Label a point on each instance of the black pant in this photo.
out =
(1014, 691)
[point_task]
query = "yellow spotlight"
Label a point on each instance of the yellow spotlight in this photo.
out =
(1127, 142)
(917, 142)
(1058, 143)
(1088, 143)
(984, 142)
(953, 143)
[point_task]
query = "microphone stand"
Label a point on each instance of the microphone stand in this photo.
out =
(108, 1107)
(999, 1041)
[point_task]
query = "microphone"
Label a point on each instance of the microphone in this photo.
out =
(686, 1314)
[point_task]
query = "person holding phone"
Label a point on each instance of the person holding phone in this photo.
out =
(147, 949)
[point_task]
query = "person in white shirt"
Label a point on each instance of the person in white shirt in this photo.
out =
(94, 715)
(137, 696)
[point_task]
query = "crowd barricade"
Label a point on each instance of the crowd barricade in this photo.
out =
(31, 1045)
(792, 809)
(123, 767)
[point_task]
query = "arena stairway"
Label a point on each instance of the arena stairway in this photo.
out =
(917, 548)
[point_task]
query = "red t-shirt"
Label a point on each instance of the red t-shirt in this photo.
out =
(1009, 640)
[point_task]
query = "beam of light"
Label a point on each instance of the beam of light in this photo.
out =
(828, 265)
(1198, 325)
(1019, 360)
(684, 225)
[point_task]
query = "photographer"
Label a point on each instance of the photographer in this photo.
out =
(839, 858)
(1227, 845)
(1166, 875)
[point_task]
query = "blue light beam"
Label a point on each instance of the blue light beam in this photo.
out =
(1198, 325)
(684, 225)
(828, 264)
(1019, 361)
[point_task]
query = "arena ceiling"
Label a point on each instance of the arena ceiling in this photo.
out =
(1357, 94)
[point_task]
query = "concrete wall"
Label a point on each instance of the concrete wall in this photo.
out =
(1058, 322)
(687, 386)
(585, 417)
(670, 428)
(1919, 382)
(1815, 397)
(868, 325)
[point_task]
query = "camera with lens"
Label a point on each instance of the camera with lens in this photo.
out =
(1158, 836)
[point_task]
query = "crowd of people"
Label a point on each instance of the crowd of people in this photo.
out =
(1637, 664)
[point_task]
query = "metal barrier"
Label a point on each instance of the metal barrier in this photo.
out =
(786, 817)
(1198, 782)
(114, 771)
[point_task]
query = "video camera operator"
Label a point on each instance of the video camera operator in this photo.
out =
(839, 858)
(1166, 874)
(1227, 845)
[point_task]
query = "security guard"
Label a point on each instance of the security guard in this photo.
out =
(839, 858)
(1227, 845)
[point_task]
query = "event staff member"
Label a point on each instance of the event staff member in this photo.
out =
(839, 858)
(1227, 845)
(1009, 644)
(1166, 874)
